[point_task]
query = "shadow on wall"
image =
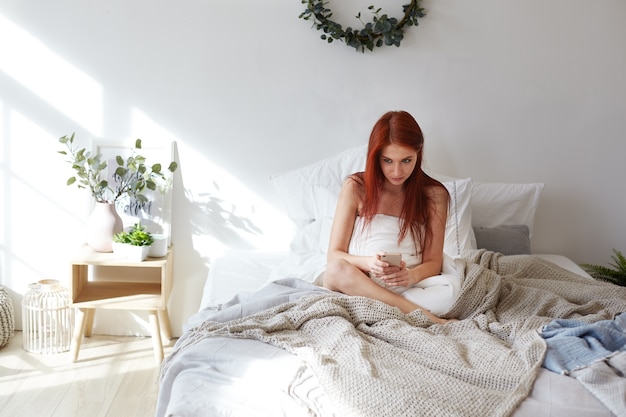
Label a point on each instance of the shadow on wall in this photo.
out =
(207, 225)
(206, 215)
(210, 215)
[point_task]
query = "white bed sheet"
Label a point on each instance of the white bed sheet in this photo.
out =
(248, 270)
(238, 271)
(564, 262)
(281, 385)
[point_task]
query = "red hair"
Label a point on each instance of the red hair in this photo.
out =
(399, 128)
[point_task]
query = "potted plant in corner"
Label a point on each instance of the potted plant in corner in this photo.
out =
(615, 274)
(134, 244)
(131, 178)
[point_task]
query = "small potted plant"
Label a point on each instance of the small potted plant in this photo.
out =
(131, 177)
(134, 244)
(615, 273)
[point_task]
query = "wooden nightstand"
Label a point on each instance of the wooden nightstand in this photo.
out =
(110, 281)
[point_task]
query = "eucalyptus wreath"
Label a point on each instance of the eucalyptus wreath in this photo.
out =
(382, 30)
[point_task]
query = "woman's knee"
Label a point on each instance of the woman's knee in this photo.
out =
(337, 274)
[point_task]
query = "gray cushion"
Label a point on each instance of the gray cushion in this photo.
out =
(7, 320)
(508, 240)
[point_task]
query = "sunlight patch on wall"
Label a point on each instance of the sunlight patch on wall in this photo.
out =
(4, 142)
(37, 196)
(221, 211)
(4, 138)
(34, 147)
(4, 193)
(28, 61)
(150, 132)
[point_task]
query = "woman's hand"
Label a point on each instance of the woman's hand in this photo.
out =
(393, 276)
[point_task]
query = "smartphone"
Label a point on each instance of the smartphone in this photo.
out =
(393, 259)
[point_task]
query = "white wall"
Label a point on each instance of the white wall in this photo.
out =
(505, 91)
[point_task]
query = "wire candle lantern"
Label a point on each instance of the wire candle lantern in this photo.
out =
(46, 318)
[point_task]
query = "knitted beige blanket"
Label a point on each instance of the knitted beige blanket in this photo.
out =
(372, 360)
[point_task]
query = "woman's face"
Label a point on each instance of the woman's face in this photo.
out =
(397, 163)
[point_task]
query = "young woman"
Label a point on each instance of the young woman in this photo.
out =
(392, 207)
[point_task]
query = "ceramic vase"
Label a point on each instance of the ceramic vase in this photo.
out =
(102, 224)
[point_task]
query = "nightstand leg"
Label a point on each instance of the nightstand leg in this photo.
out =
(164, 321)
(89, 316)
(77, 337)
(157, 345)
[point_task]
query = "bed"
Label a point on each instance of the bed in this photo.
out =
(538, 336)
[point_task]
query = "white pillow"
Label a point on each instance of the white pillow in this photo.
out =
(503, 204)
(308, 239)
(459, 233)
(307, 258)
(498, 204)
(294, 187)
(324, 200)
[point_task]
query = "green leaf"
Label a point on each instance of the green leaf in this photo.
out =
(121, 171)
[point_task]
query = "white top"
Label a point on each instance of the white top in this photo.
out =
(382, 235)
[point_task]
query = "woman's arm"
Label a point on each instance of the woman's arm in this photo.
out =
(343, 225)
(432, 254)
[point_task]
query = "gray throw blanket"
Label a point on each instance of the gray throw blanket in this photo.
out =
(372, 360)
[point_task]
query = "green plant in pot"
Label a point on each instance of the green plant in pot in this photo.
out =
(614, 273)
(130, 178)
(134, 244)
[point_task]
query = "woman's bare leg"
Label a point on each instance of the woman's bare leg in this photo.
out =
(344, 277)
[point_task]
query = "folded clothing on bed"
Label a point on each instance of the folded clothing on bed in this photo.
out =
(575, 344)
(593, 353)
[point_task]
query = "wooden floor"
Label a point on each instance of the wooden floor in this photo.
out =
(114, 376)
